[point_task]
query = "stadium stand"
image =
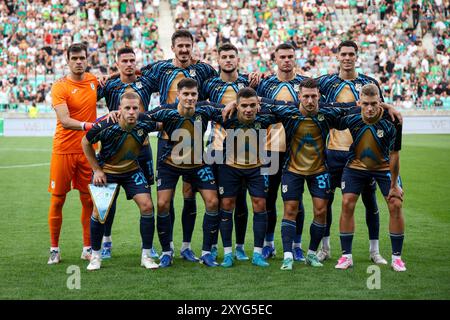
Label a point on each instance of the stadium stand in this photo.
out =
(411, 63)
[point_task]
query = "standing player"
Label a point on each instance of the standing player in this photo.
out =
(74, 99)
(344, 87)
(185, 123)
(117, 163)
(165, 76)
(307, 129)
(284, 85)
(223, 89)
(374, 154)
(112, 91)
(244, 166)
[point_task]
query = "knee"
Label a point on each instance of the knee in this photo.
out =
(146, 207)
(348, 204)
(163, 206)
(395, 208)
(57, 202)
(320, 214)
(212, 204)
(259, 204)
(227, 204)
(290, 215)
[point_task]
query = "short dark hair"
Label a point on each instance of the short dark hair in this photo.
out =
(187, 83)
(182, 33)
(246, 92)
(348, 43)
(124, 50)
(75, 48)
(309, 83)
(227, 47)
(284, 46)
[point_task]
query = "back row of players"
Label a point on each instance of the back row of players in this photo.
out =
(297, 135)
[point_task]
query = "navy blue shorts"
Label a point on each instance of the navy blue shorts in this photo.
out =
(231, 181)
(353, 181)
(145, 161)
(161, 145)
(201, 178)
(133, 182)
(336, 161)
(293, 185)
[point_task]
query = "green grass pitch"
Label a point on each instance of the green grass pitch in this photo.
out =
(24, 245)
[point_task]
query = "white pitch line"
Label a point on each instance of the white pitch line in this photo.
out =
(25, 165)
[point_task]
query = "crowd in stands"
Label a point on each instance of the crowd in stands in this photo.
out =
(404, 44)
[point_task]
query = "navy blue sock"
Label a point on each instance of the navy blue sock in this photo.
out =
(241, 216)
(271, 223)
(97, 231)
(163, 224)
(226, 227)
(172, 219)
(329, 215)
(300, 219)
(396, 241)
(210, 227)
(188, 218)
(346, 242)
(372, 217)
(259, 228)
(109, 220)
(147, 227)
(316, 231)
(288, 228)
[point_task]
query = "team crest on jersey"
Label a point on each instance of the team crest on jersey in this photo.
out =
(139, 85)
(320, 117)
(257, 125)
(296, 87)
(358, 86)
(342, 185)
(240, 85)
(92, 86)
(284, 188)
(221, 191)
(192, 73)
(218, 88)
(140, 132)
(159, 182)
(198, 118)
(380, 133)
(273, 87)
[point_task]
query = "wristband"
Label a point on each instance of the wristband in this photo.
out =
(82, 125)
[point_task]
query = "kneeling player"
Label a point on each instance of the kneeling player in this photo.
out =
(374, 154)
(117, 163)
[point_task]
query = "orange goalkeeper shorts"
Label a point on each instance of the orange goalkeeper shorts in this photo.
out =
(69, 171)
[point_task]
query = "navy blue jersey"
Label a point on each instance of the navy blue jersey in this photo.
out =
(245, 139)
(188, 149)
(164, 76)
(120, 148)
(306, 136)
(114, 88)
(372, 142)
(218, 91)
(273, 88)
(334, 89)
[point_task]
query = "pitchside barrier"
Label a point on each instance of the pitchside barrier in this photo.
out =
(11, 126)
